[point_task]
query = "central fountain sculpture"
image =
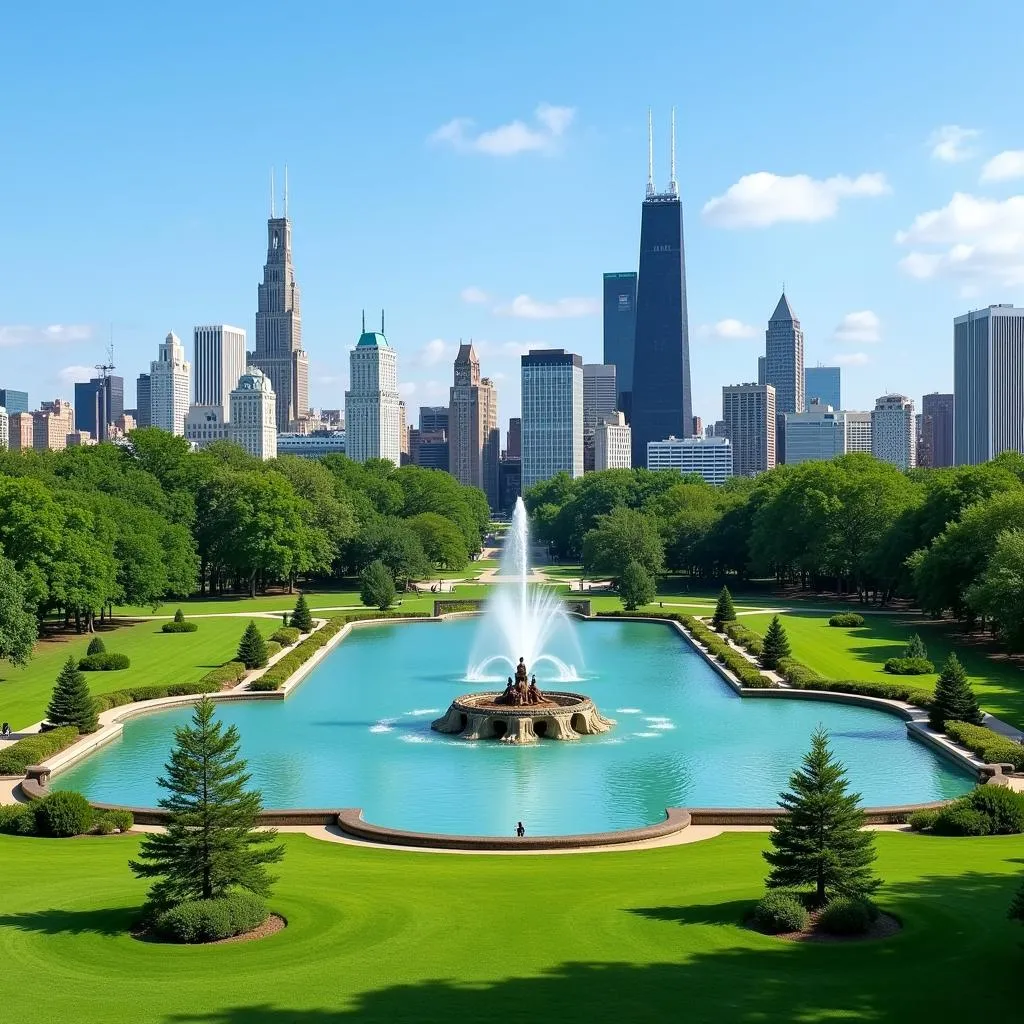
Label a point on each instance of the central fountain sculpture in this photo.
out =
(531, 618)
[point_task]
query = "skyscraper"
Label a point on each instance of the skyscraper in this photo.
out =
(784, 358)
(552, 415)
(5, 436)
(371, 403)
(749, 414)
(823, 383)
(170, 381)
(619, 334)
(988, 383)
(14, 401)
(600, 398)
(818, 433)
(613, 446)
(144, 401)
(20, 431)
(253, 410)
(473, 438)
(514, 446)
(893, 437)
(98, 404)
(434, 418)
(279, 352)
(938, 412)
(218, 361)
(661, 405)
(51, 424)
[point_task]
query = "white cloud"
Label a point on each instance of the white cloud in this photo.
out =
(970, 238)
(1004, 166)
(860, 327)
(55, 334)
(950, 143)
(729, 328)
(76, 374)
(474, 295)
(551, 124)
(437, 350)
(531, 309)
(851, 359)
(761, 199)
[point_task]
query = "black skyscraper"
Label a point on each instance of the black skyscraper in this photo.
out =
(662, 406)
(98, 404)
(619, 332)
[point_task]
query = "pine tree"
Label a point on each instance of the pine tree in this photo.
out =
(954, 699)
(252, 649)
(96, 646)
(820, 841)
(211, 845)
(301, 619)
(377, 586)
(915, 648)
(775, 644)
(724, 610)
(71, 703)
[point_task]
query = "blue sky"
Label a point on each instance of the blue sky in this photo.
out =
(475, 168)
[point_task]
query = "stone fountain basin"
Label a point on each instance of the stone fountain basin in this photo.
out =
(560, 716)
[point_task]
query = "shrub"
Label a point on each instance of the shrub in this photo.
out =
(96, 646)
(212, 682)
(915, 648)
(745, 637)
(302, 620)
(273, 647)
(285, 636)
(797, 674)
(990, 746)
(1002, 808)
(921, 820)
(960, 820)
(909, 666)
(108, 822)
(210, 920)
(779, 911)
(109, 661)
(103, 825)
(63, 813)
(16, 757)
(252, 648)
(179, 616)
(845, 915)
(17, 820)
(179, 627)
(846, 619)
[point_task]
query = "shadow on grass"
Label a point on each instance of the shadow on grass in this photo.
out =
(114, 921)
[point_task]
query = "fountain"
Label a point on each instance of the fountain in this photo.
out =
(529, 623)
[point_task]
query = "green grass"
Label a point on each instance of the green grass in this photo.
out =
(860, 654)
(270, 603)
(156, 658)
(381, 937)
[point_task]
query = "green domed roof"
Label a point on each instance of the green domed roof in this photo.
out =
(372, 339)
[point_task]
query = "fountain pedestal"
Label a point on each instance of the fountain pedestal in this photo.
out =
(561, 716)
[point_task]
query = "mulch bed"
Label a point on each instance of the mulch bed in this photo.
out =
(884, 926)
(271, 926)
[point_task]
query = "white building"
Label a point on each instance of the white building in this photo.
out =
(819, 433)
(5, 430)
(170, 379)
(372, 417)
(205, 424)
(988, 383)
(709, 457)
(858, 431)
(893, 436)
(218, 360)
(749, 414)
(613, 441)
(253, 416)
(552, 404)
(312, 446)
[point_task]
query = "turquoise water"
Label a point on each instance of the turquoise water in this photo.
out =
(356, 733)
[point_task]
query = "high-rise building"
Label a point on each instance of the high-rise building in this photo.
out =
(403, 435)
(784, 358)
(893, 437)
(857, 427)
(661, 360)
(5, 430)
(619, 334)
(613, 442)
(762, 370)
(20, 431)
(218, 361)
(253, 414)
(709, 457)
(205, 424)
(923, 432)
(473, 438)
(429, 448)
(988, 383)
(51, 424)
(279, 353)
(311, 446)
(98, 404)
(371, 403)
(514, 448)
(14, 401)
(749, 414)
(80, 439)
(552, 405)
(510, 483)
(170, 382)
(698, 427)
(819, 433)
(599, 398)
(144, 400)
(937, 411)
(823, 384)
(434, 418)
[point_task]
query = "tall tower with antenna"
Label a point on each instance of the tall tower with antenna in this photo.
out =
(279, 353)
(100, 402)
(662, 404)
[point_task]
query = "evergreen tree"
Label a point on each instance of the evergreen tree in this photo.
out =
(915, 648)
(96, 646)
(954, 699)
(377, 587)
(636, 587)
(211, 845)
(71, 703)
(724, 610)
(776, 644)
(179, 616)
(820, 841)
(301, 619)
(252, 649)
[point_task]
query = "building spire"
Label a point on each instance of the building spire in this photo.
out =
(272, 193)
(672, 186)
(364, 321)
(650, 154)
(382, 321)
(286, 190)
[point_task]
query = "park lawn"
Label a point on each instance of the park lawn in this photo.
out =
(283, 602)
(156, 658)
(384, 936)
(860, 654)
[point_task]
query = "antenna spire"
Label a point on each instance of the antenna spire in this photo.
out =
(650, 154)
(286, 190)
(364, 321)
(672, 186)
(382, 321)
(272, 214)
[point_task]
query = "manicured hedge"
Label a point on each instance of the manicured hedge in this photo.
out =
(15, 758)
(179, 627)
(63, 814)
(745, 637)
(919, 821)
(210, 920)
(107, 661)
(985, 811)
(847, 915)
(273, 647)
(17, 820)
(285, 636)
(909, 666)
(113, 821)
(800, 677)
(990, 746)
(846, 619)
(778, 912)
(747, 673)
(118, 698)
